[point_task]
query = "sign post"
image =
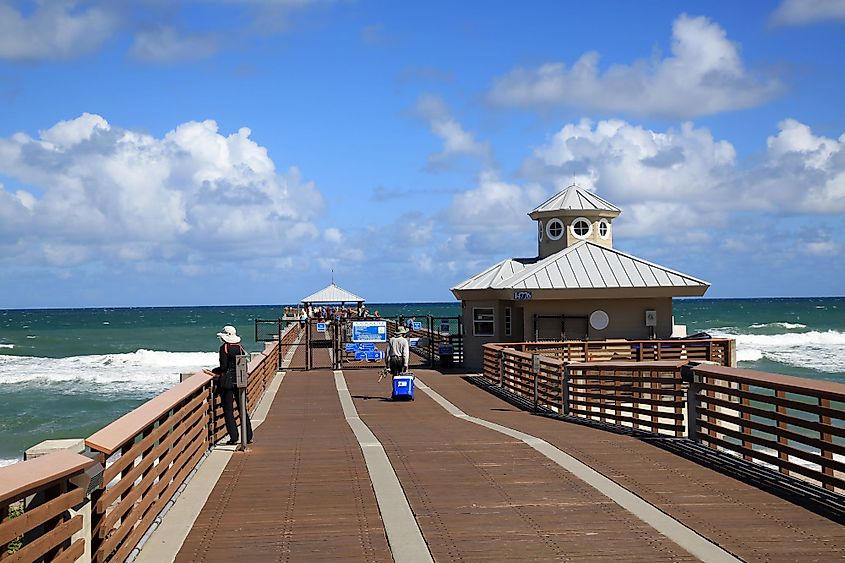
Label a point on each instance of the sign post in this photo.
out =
(241, 375)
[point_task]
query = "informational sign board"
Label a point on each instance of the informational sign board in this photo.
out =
(417, 325)
(361, 347)
(321, 327)
(369, 331)
(369, 355)
(444, 326)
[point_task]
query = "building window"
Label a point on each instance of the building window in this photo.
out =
(604, 229)
(539, 230)
(483, 322)
(507, 321)
(554, 228)
(581, 228)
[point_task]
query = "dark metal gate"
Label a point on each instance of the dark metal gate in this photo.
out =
(328, 344)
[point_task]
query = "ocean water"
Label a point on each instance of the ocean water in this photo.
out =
(67, 373)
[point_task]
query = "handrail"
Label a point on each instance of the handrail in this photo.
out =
(795, 424)
(35, 498)
(24, 477)
(110, 438)
(804, 386)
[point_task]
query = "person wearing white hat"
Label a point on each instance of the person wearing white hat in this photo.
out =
(398, 352)
(229, 396)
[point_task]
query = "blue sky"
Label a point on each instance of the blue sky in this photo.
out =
(239, 152)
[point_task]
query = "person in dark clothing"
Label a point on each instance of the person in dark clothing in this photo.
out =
(229, 395)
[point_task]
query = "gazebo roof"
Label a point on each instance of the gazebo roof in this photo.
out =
(332, 294)
(573, 199)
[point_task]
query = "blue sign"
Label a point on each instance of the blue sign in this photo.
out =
(369, 355)
(369, 331)
(362, 347)
(444, 326)
(522, 295)
(413, 341)
(321, 327)
(417, 325)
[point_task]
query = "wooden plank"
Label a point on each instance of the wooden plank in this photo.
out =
(43, 544)
(25, 477)
(31, 518)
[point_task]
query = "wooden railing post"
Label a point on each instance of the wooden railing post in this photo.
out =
(692, 408)
(827, 439)
(535, 367)
(564, 406)
(502, 368)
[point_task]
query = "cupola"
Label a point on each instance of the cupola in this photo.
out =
(571, 216)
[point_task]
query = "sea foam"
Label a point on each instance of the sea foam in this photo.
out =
(819, 350)
(140, 371)
(787, 326)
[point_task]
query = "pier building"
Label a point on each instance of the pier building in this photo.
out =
(578, 287)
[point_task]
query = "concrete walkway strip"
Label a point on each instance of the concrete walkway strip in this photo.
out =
(685, 537)
(166, 541)
(403, 532)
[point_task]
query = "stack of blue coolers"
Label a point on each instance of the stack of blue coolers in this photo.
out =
(403, 387)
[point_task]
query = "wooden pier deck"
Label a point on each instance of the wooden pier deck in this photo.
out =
(484, 481)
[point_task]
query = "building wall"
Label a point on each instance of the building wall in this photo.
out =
(547, 247)
(626, 320)
(473, 354)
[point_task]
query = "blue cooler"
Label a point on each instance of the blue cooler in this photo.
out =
(403, 387)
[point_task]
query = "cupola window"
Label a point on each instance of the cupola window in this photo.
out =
(604, 229)
(554, 228)
(539, 230)
(581, 228)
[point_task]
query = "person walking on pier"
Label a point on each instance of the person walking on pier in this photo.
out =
(398, 352)
(229, 350)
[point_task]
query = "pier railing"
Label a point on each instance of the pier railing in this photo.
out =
(50, 529)
(146, 454)
(792, 424)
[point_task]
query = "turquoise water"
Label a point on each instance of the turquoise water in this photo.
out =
(67, 373)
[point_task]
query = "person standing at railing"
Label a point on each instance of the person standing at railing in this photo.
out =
(229, 350)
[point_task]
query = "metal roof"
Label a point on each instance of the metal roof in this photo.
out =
(495, 274)
(584, 265)
(332, 294)
(575, 198)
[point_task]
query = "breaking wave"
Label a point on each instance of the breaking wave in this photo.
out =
(140, 371)
(819, 350)
(787, 326)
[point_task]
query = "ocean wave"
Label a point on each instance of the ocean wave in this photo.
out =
(787, 326)
(819, 350)
(748, 355)
(7, 345)
(142, 370)
(5, 462)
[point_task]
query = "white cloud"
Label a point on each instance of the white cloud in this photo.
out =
(685, 177)
(704, 75)
(54, 30)
(823, 248)
(801, 12)
(333, 235)
(166, 45)
(120, 195)
(456, 141)
(803, 173)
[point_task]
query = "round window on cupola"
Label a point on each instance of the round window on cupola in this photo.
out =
(554, 229)
(581, 228)
(604, 229)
